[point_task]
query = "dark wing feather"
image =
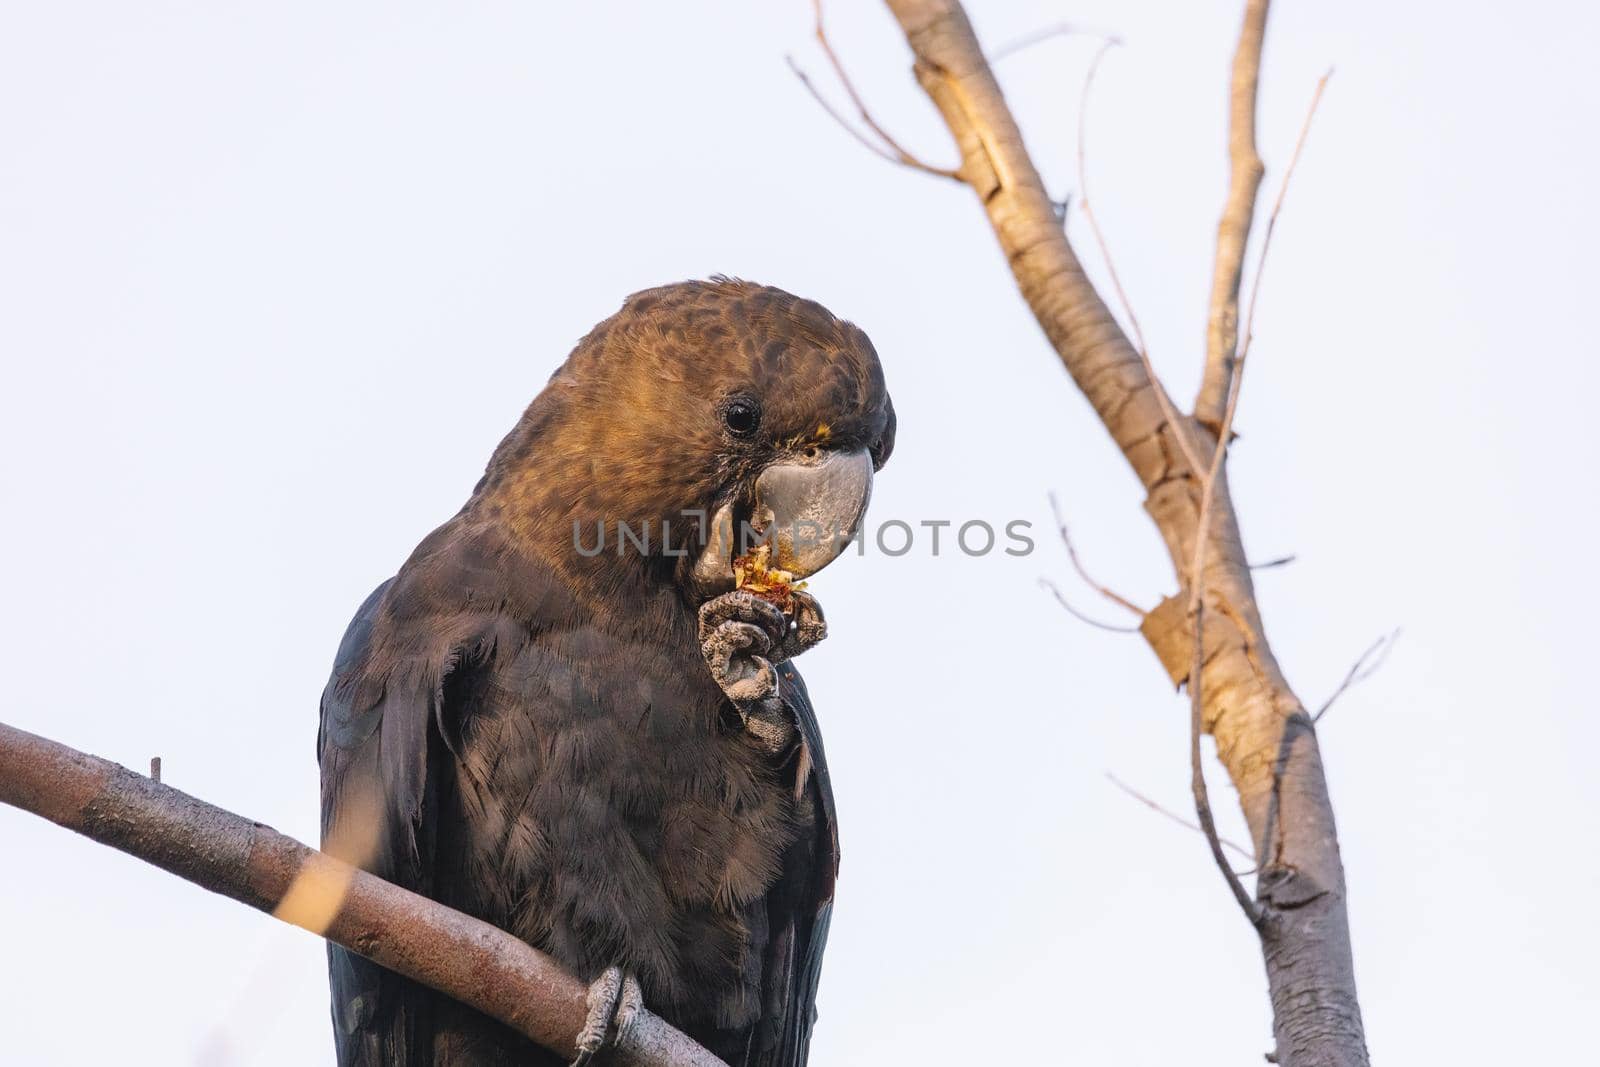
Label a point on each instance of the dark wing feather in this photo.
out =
(378, 736)
(799, 913)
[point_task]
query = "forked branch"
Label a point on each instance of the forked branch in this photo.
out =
(1083, 572)
(1204, 536)
(1264, 735)
(885, 146)
(1066, 605)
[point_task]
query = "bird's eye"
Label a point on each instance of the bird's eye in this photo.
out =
(742, 416)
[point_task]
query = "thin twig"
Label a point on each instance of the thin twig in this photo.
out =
(1202, 539)
(1197, 774)
(1365, 666)
(861, 138)
(1281, 561)
(1174, 816)
(1077, 564)
(1168, 412)
(1045, 33)
(886, 146)
(1277, 206)
(1061, 598)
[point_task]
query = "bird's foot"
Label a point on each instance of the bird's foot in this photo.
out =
(809, 626)
(788, 634)
(742, 636)
(614, 1002)
(739, 635)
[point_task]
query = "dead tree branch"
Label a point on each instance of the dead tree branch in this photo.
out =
(886, 146)
(1046, 33)
(1066, 605)
(1224, 432)
(1255, 23)
(470, 960)
(1363, 668)
(1197, 587)
(1173, 816)
(1180, 430)
(1233, 231)
(1077, 564)
(1264, 736)
(1272, 219)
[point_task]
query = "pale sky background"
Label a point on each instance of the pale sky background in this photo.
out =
(275, 278)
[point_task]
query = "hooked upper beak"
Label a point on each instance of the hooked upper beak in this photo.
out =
(812, 507)
(808, 508)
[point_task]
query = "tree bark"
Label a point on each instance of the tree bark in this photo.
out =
(458, 955)
(1264, 737)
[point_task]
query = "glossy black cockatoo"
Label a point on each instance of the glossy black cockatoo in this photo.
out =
(587, 735)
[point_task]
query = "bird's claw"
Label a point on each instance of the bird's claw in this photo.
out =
(742, 637)
(737, 654)
(614, 1000)
(809, 625)
(788, 635)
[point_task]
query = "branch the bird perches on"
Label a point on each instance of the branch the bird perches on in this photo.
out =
(478, 964)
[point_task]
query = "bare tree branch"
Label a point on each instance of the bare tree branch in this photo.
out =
(1045, 33)
(1077, 564)
(1061, 598)
(1208, 493)
(1272, 219)
(1167, 410)
(1233, 231)
(862, 139)
(476, 963)
(1174, 816)
(1365, 666)
(1264, 736)
(1197, 585)
(886, 146)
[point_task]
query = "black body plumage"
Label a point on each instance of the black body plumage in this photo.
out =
(529, 734)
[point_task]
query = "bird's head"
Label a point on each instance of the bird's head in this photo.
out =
(705, 415)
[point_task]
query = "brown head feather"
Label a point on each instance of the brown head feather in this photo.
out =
(629, 428)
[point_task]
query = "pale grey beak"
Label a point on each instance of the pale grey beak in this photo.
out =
(808, 508)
